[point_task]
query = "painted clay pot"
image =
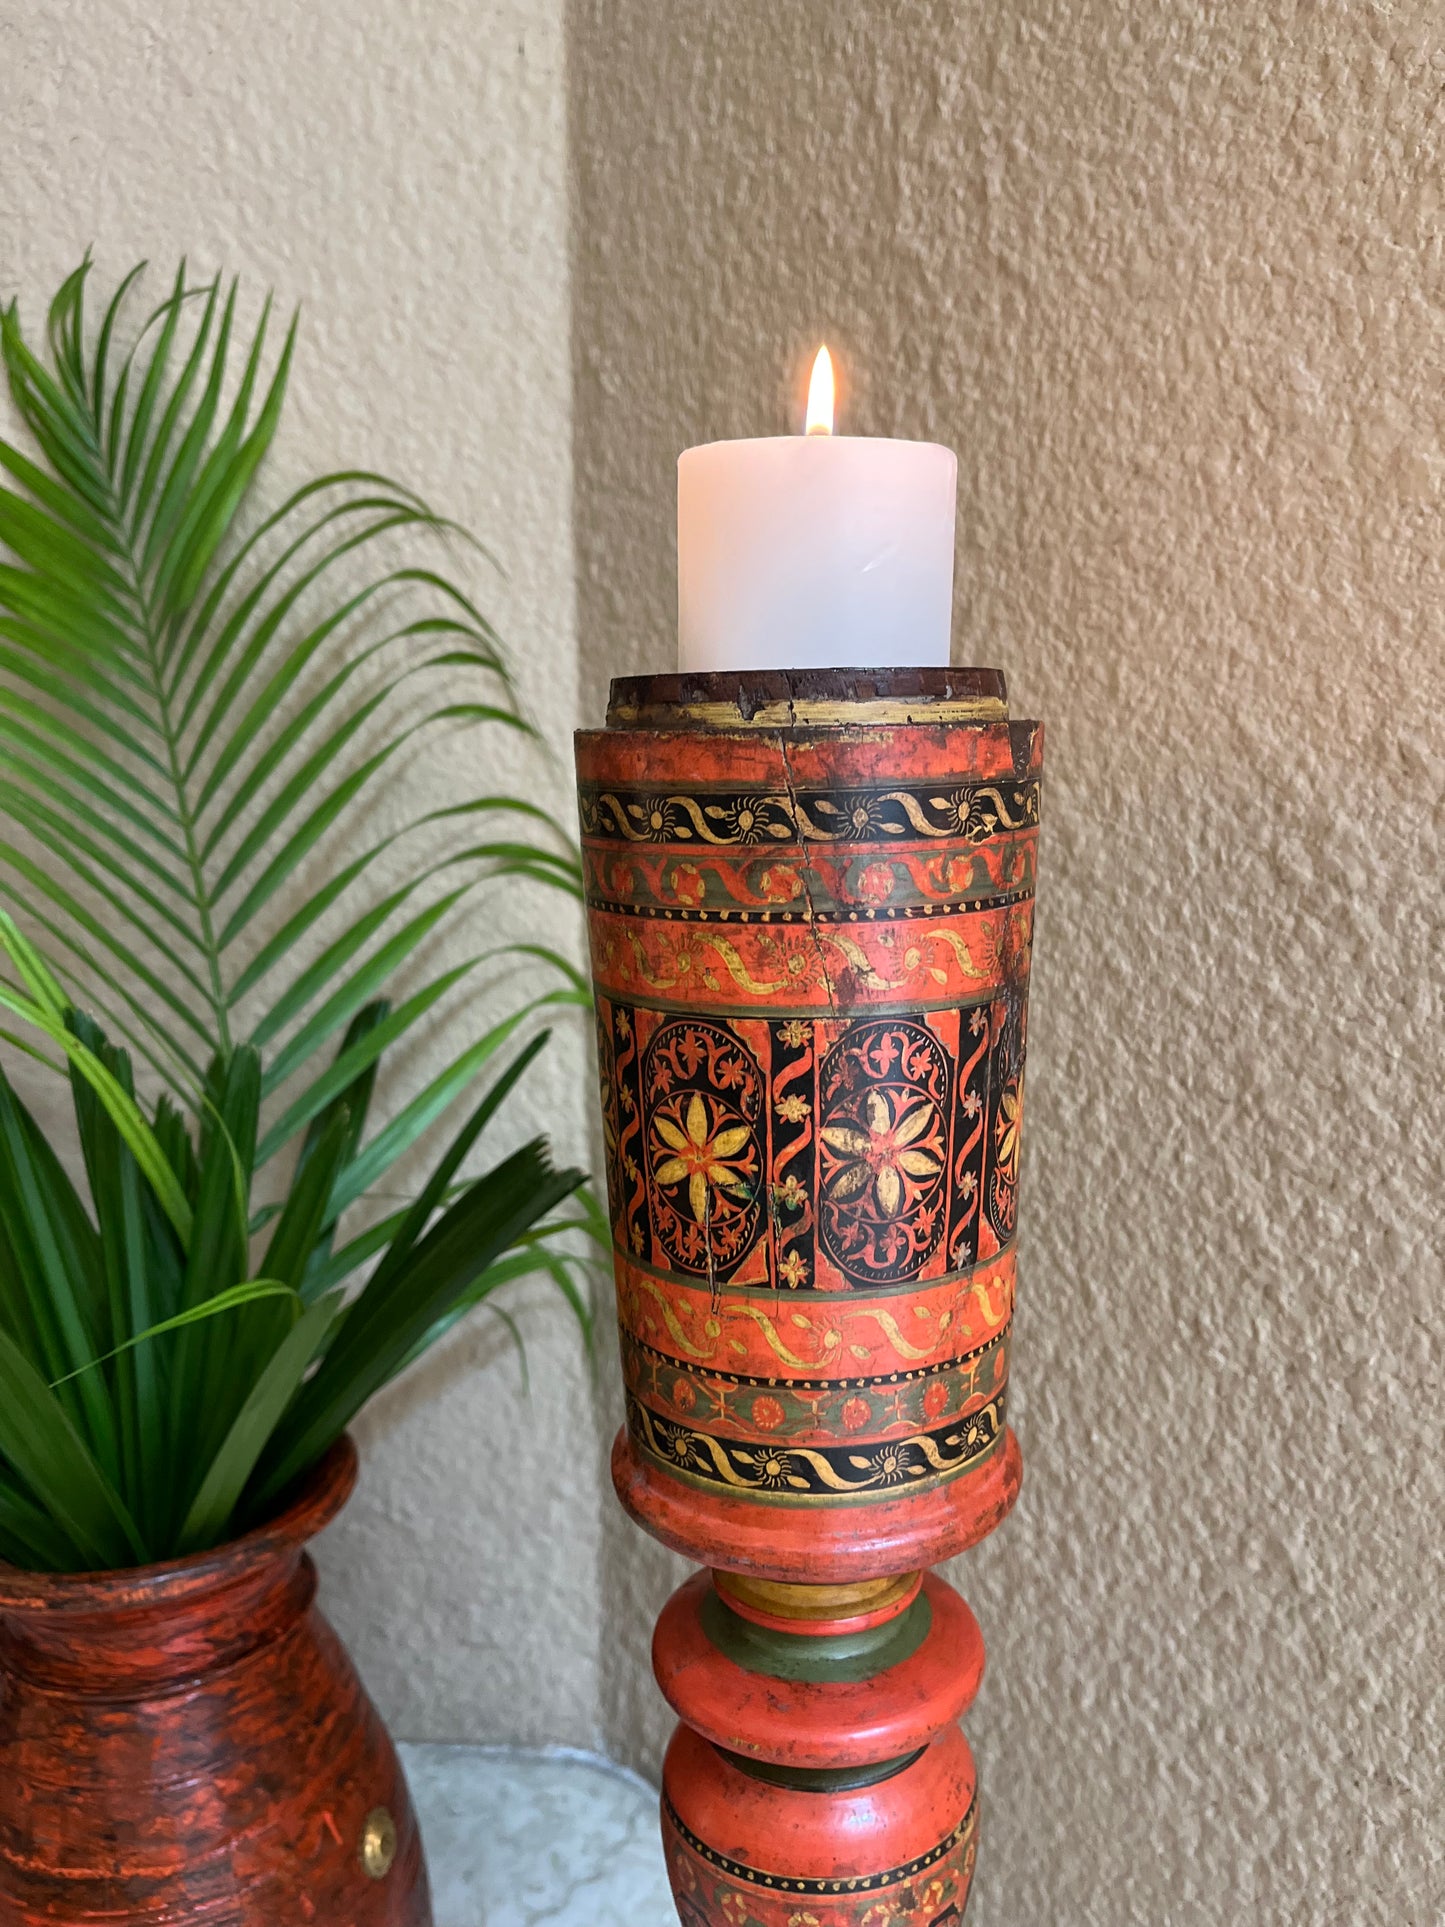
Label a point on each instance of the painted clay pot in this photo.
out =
(190, 1744)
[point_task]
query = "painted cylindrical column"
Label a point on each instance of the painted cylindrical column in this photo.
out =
(810, 905)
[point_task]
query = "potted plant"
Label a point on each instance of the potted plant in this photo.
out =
(193, 722)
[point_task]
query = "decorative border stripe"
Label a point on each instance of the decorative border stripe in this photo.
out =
(779, 1008)
(778, 1382)
(802, 1472)
(979, 1270)
(970, 812)
(859, 1884)
(824, 914)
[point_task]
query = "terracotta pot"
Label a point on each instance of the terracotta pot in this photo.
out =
(189, 1743)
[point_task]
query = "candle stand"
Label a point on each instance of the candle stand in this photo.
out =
(810, 904)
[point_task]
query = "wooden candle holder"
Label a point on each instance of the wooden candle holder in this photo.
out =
(810, 903)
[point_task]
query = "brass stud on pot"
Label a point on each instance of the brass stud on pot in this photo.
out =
(378, 1843)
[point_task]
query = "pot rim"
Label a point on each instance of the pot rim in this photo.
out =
(319, 1496)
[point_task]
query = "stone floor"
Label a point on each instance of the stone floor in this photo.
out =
(516, 1838)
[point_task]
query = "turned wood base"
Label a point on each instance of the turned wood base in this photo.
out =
(915, 1530)
(818, 1775)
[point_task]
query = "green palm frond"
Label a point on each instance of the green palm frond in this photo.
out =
(154, 1392)
(193, 725)
(199, 710)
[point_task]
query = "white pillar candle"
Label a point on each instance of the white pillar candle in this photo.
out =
(815, 551)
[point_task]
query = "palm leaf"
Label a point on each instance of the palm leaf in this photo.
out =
(233, 1298)
(197, 704)
(402, 1303)
(29, 1536)
(267, 1400)
(146, 1386)
(40, 1441)
(43, 1004)
(159, 751)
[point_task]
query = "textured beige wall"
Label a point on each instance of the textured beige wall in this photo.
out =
(1170, 280)
(1169, 277)
(399, 169)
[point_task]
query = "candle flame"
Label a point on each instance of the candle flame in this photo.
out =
(820, 396)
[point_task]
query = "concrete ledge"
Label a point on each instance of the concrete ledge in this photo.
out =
(517, 1837)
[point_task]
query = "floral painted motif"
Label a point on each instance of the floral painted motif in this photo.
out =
(1007, 1127)
(704, 1159)
(760, 882)
(883, 1154)
(779, 884)
(806, 1154)
(688, 885)
(973, 812)
(611, 1121)
(808, 1472)
(875, 882)
(790, 1195)
(702, 1153)
(759, 1408)
(884, 1091)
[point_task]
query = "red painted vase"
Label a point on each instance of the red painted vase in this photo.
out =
(189, 1743)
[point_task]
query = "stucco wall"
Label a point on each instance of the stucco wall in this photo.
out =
(399, 170)
(1169, 278)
